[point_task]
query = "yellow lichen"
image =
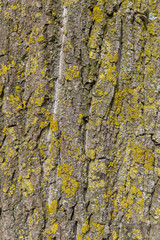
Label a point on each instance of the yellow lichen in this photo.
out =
(40, 38)
(51, 207)
(53, 124)
(91, 153)
(64, 169)
(27, 185)
(85, 227)
(97, 14)
(69, 186)
(72, 73)
(49, 165)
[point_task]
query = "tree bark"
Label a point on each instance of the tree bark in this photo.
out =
(79, 120)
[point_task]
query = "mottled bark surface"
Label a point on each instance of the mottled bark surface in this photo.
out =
(79, 120)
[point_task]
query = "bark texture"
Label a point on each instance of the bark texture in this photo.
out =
(79, 120)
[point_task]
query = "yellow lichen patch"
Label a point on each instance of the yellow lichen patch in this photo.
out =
(72, 73)
(51, 207)
(149, 160)
(43, 124)
(114, 58)
(80, 118)
(138, 153)
(40, 38)
(137, 234)
(98, 229)
(4, 190)
(112, 74)
(14, 7)
(27, 185)
(134, 112)
(143, 156)
(87, 238)
(64, 169)
(79, 236)
(49, 165)
(69, 186)
(15, 101)
(4, 68)
(53, 124)
(114, 235)
(68, 47)
(7, 15)
(35, 218)
(97, 14)
(11, 190)
(51, 230)
(33, 66)
(85, 227)
(91, 153)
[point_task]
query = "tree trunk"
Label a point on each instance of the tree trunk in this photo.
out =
(79, 120)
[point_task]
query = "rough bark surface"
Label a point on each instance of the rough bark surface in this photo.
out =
(79, 120)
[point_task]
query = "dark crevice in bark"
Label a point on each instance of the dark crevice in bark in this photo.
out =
(75, 229)
(120, 50)
(154, 140)
(116, 8)
(118, 69)
(86, 182)
(3, 140)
